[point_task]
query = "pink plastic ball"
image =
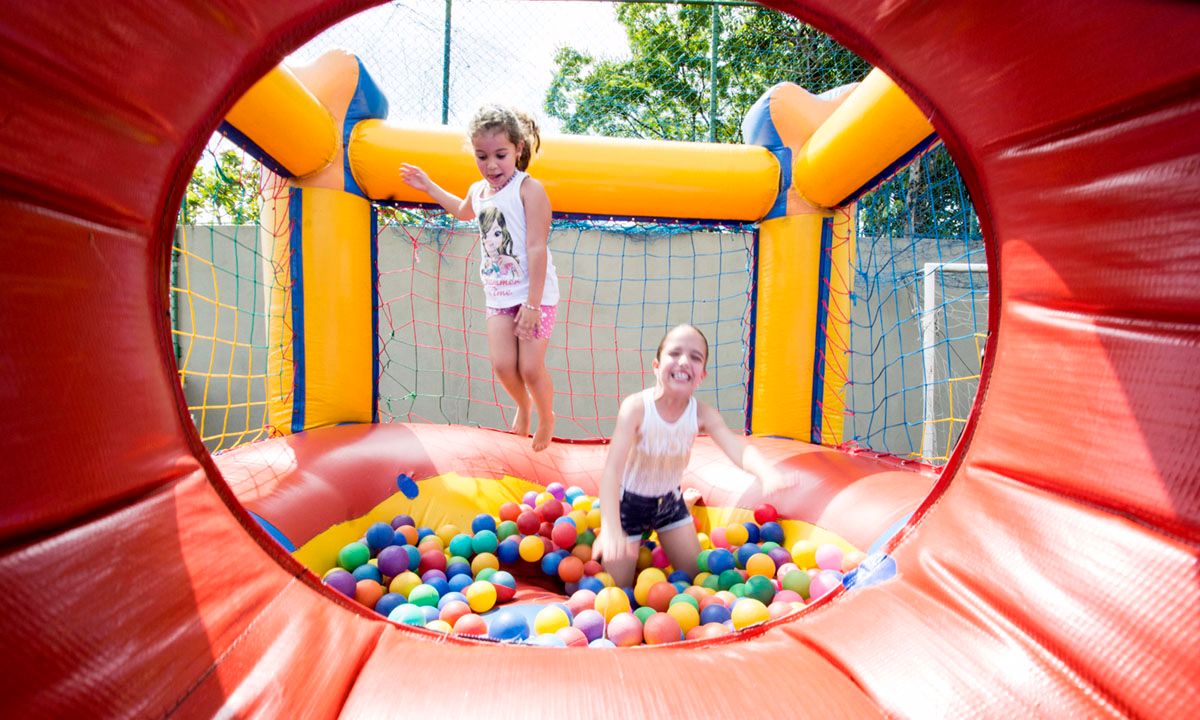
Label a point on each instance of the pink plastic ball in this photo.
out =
(718, 538)
(824, 582)
(829, 557)
(572, 636)
(658, 557)
(662, 628)
(625, 630)
(590, 623)
(581, 600)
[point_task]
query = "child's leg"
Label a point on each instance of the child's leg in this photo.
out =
(682, 547)
(502, 348)
(531, 360)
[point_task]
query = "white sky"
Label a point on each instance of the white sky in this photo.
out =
(501, 50)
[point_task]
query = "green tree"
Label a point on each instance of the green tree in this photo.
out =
(226, 192)
(665, 89)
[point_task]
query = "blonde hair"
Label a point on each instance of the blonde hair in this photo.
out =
(519, 127)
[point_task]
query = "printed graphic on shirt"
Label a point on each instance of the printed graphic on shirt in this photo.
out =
(500, 264)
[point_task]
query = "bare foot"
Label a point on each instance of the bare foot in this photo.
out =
(691, 496)
(520, 424)
(541, 439)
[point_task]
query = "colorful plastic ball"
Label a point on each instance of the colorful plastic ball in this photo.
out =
(506, 529)
(447, 532)
(702, 560)
(719, 538)
(587, 537)
(457, 566)
(771, 532)
(483, 561)
(662, 628)
(424, 532)
(658, 558)
(403, 520)
(379, 536)
(737, 534)
(659, 595)
(590, 623)
(485, 541)
(591, 567)
(404, 583)
(829, 557)
(780, 556)
(650, 576)
(728, 579)
(460, 546)
(508, 626)
(804, 554)
(765, 513)
(458, 583)
(644, 612)
(712, 582)
(625, 630)
(572, 637)
(407, 614)
(483, 521)
(440, 585)
(388, 602)
(713, 630)
(368, 571)
(433, 574)
(439, 626)
(714, 613)
(824, 583)
(581, 600)
(558, 490)
(761, 589)
(408, 533)
(509, 511)
(449, 597)
(508, 551)
(720, 560)
(471, 624)
(431, 543)
(612, 601)
(550, 562)
(506, 585)
(686, 599)
(432, 560)
(367, 592)
(453, 610)
(564, 535)
(584, 553)
(550, 510)
(424, 595)
(573, 493)
(686, 615)
(705, 542)
(481, 596)
(485, 574)
(531, 548)
(529, 498)
(342, 581)
(760, 564)
(570, 569)
(592, 582)
(392, 560)
(601, 643)
(550, 619)
(798, 581)
(353, 555)
(788, 596)
(745, 552)
(751, 532)
(680, 576)
(528, 522)
(778, 609)
(593, 517)
(749, 611)
(580, 503)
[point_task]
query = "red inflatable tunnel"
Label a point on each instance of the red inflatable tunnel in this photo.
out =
(1053, 572)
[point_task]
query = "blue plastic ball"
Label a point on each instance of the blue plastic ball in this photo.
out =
(550, 562)
(408, 614)
(483, 521)
(591, 583)
(714, 613)
(509, 551)
(439, 584)
(751, 532)
(458, 568)
(368, 572)
(424, 532)
(379, 536)
(771, 532)
(388, 603)
(720, 560)
(458, 583)
(679, 576)
(743, 554)
(451, 597)
(508, 625)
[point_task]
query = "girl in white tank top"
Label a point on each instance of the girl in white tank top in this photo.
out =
(641, 488)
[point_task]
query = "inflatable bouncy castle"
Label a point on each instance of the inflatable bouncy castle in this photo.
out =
(1047, 570)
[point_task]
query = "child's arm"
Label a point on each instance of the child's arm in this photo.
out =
(612, 542)
(416, 178)
(742, 453)
(537, 232)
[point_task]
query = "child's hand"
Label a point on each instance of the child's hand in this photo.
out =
(415, 177)
(527, 322)
(611, 545)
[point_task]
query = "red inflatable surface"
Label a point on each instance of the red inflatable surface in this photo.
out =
(1053, 572)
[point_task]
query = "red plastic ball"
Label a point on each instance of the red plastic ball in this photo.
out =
(661, 628)
(765, 513)
(528, 523)
(564, 535)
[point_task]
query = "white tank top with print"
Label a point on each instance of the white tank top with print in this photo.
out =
(657, 461)
(504, 257)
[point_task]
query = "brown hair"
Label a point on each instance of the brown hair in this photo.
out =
(658, 353)
(520, 129)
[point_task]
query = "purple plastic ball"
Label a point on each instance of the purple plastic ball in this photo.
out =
(402, 520)
(393, 560)
(342, 581)
(591, 623)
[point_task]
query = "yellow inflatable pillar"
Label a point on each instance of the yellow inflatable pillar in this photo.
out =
(322, 321)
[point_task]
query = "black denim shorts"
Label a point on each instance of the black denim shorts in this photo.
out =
(640, 514)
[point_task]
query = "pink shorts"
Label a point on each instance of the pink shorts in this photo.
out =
(543, 329)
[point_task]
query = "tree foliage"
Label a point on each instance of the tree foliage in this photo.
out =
(664, 90)
(225, 192)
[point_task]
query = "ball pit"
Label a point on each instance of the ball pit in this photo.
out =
(456, 581)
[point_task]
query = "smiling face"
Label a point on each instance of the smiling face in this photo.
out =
(680, 365)
(495, 156)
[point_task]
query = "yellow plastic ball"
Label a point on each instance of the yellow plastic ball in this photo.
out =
(700, 578)
(439, 625)
(605, 578)
(447, 532)
(593, 519)
(549, 620)
(804, 554)
(583, 503)
(705, 541)
(749, 611)
(580, 519)
(760, 564)
(611, 602)
(481, 596)
(650, 576)
(482, 561)
(645, 559)
(685, 614)
(737, 534)
(404, 583)
(531, 548)
(543, 497)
